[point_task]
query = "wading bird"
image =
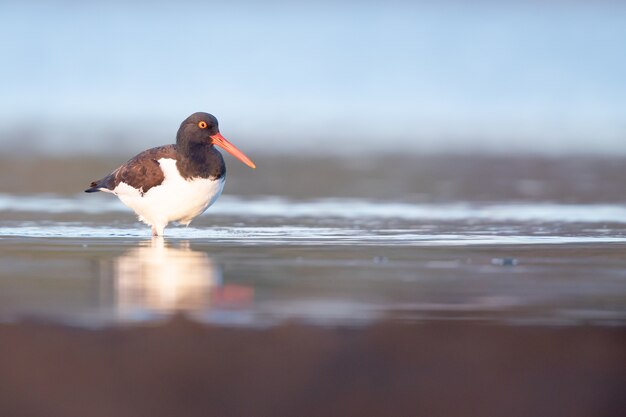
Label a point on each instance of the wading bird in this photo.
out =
(174, 183)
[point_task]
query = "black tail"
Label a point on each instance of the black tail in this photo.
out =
(94, 187)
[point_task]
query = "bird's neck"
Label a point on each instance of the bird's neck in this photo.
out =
(200, 160)
(195, 153)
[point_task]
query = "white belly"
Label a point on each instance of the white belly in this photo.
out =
(175, 200)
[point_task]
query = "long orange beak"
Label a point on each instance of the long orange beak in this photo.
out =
(221, 141)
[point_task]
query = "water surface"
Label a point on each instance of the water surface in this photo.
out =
(543, 257)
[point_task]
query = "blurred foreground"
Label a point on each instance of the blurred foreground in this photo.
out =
(438, 369)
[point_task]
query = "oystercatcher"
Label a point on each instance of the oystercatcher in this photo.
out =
(174, 183)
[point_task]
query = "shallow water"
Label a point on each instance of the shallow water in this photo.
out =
(258, 262)
(254, 260)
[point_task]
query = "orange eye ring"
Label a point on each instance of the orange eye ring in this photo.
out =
(202, 125)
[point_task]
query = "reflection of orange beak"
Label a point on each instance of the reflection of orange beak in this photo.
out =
(221, 141)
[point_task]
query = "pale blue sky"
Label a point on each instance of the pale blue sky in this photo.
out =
(360, 75)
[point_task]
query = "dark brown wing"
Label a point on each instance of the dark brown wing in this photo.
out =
(142, 172)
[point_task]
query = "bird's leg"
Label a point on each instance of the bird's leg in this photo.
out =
(157, 228)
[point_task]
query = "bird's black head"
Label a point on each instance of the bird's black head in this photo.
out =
(199, 131)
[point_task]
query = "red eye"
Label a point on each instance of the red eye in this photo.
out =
(202, 125)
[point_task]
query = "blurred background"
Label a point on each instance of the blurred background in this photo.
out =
(429, 162)
(117, 77)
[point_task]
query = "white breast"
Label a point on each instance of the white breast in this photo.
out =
(175, 200)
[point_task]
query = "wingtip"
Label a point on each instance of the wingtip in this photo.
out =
(93, 187)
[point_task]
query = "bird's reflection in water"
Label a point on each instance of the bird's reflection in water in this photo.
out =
(161, 278)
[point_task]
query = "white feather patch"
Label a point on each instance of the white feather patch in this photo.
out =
(175, 200)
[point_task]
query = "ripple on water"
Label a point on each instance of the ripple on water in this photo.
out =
(274, 220)
(339, 208)
(297, 235)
